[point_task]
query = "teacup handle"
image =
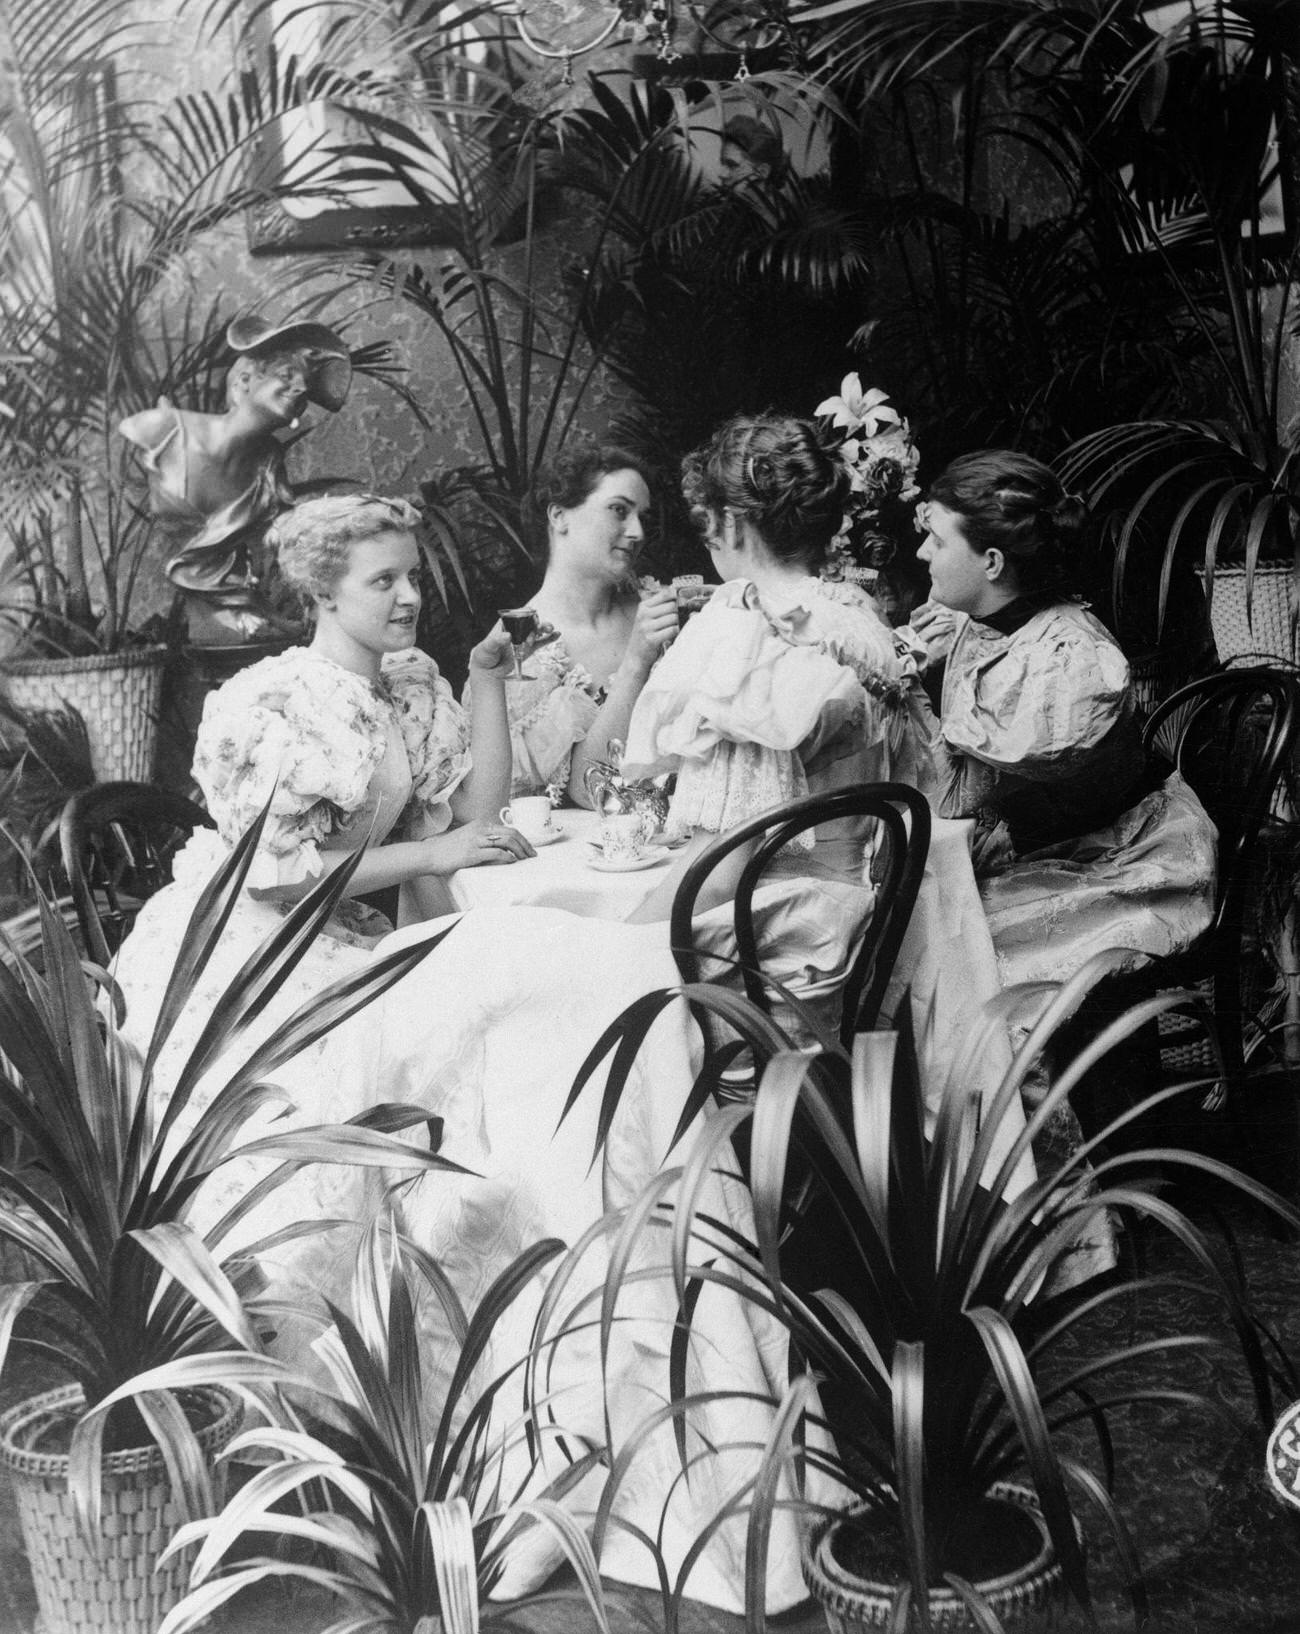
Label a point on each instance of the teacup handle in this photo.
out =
(506, 817)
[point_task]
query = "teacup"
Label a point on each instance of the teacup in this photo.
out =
(531, 815)
(622, 836)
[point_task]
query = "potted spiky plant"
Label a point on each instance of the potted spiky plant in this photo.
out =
(929, 1320)
(401, 1490)
(142, 1312)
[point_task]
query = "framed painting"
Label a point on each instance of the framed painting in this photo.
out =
(321, 192)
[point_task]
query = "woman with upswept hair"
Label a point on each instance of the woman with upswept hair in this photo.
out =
(1084, 842)
(785, 684)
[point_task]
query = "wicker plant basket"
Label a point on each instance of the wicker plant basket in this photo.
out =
(117, 694)
(1268, 629)
(1024, 1598)
(80, 1590)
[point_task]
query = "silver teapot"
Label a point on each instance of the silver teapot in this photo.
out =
(611, 792)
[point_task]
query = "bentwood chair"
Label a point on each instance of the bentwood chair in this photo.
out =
(814, 1252)
(1233, 737)
(117, 842)
(902, 831)
(904, 818)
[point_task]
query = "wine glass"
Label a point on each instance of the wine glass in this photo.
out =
(519, 623)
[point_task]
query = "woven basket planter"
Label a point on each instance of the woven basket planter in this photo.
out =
(1155, 676)
(1267, 632)
(117, 694)
(1024, 1598)
(81, 1590)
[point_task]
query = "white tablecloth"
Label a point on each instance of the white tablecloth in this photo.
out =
(946, 961)
(948, 964)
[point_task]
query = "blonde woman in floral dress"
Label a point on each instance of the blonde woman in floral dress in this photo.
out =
(357, 737)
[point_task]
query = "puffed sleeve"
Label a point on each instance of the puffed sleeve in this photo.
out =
(298, 732)
(1039, 702)
(435, 730)
(729, 707)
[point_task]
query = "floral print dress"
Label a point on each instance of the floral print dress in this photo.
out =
(334, 755)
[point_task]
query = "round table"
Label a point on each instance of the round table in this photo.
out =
(946, 964)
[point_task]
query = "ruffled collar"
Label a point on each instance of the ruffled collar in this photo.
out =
(792, 613)
(887, 674)
(555, 656)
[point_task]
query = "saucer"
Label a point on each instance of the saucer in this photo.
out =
(625, 865)
(556, 833)
(656, 842)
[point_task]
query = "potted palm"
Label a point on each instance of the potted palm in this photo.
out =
(1211, 487)
(401, 1490)
(921, 1300)
(1096, 255)
(118, 1292)
(107, 191)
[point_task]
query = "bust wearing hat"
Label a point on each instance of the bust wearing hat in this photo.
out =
(751, 152)
(216, 481)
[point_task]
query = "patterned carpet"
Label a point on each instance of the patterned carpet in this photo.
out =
(1221, 1555)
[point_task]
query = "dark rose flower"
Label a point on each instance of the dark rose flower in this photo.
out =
(884, 480)
(877, 551)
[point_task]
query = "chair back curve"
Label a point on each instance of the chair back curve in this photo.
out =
(117, 842)
(1232, 736)
(903, 814)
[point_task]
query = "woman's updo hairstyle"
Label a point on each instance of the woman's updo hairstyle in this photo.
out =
(1013, 503)
(775, 471)
(573, 476)
(311, 542)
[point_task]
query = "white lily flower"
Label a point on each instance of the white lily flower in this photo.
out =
(856, 409)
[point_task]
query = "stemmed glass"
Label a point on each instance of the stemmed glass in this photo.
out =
(519, 623)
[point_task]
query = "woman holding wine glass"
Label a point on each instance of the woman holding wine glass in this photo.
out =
(600, 635)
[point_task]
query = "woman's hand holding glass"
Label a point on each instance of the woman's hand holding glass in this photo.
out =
(526, 633)
(493, 659)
